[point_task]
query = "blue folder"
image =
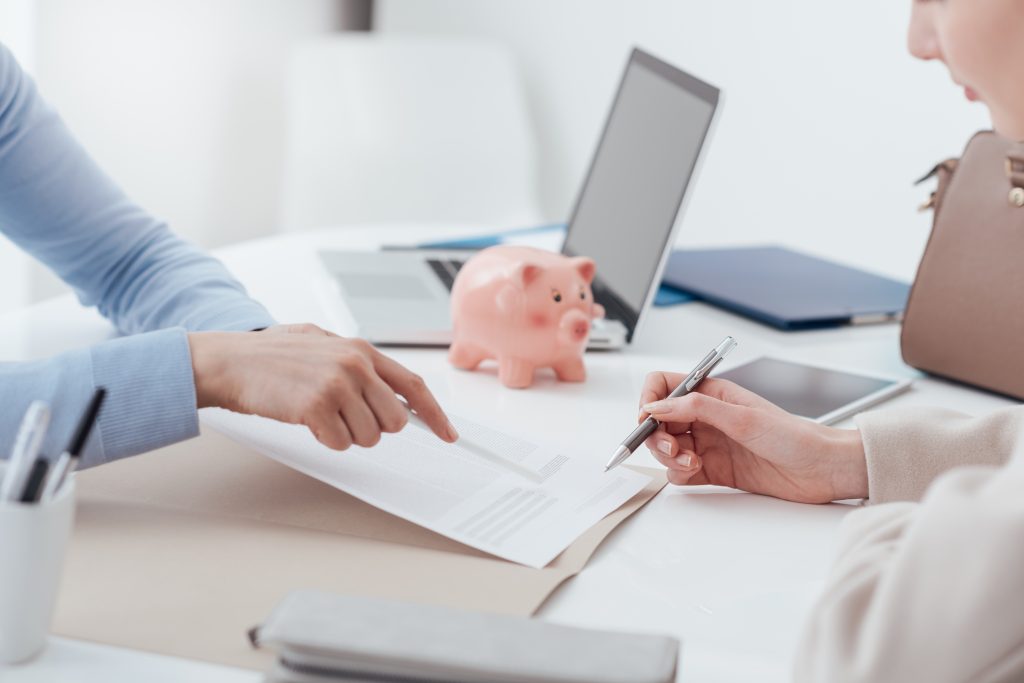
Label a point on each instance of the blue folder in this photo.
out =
(784, 288)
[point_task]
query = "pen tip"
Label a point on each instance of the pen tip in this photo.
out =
(621, 453)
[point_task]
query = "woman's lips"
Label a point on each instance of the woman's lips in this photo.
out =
(971, 95)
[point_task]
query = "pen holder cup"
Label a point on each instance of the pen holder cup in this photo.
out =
(33, 541)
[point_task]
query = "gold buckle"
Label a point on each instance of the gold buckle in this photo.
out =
(1017, 197)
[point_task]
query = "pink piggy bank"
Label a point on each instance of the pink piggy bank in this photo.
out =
(527, 308)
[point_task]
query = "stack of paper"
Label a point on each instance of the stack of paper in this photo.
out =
(492, 491)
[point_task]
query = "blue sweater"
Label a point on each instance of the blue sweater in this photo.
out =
(60, 207)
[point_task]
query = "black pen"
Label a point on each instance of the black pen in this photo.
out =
(34, 483)
(650, 425)
(66, 463)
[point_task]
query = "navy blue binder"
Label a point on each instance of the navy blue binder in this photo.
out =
(784, 288)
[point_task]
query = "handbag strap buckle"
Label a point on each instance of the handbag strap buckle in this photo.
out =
(1015, 174)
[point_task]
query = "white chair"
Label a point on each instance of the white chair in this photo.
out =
(385, 129)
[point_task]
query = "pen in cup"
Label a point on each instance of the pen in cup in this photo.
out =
(692, 380)
(68, 459)
(26, 448)
(34, 482)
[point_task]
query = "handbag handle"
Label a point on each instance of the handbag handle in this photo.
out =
(944, 170)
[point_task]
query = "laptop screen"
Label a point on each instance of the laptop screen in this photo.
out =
(626, 211)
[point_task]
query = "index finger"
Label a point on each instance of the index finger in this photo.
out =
(412, 387)
(731, 392)
(658, 385)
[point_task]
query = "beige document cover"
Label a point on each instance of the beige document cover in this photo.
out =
(180, 551)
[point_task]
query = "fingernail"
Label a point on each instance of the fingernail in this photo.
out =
(685, 460)
(657, 407)
(665, 446)
(452, 434)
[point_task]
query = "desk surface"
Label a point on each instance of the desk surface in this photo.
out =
(731, 574)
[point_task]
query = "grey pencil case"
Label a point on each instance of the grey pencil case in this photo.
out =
(321, 637)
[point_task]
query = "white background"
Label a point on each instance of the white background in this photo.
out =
(826, 122)
(181, 102)
(826, 119)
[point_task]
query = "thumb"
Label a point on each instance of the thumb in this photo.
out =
(740, 423)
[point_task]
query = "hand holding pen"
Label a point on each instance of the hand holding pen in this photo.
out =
(689, 383)
(725, 435)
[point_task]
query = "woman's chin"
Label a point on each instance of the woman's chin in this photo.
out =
(1011, 127)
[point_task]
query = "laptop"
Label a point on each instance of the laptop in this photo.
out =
(624, 218)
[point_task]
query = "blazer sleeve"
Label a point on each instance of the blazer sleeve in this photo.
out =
(907, 449)
(928, 591)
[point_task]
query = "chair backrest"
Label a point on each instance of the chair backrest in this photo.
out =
(392, 129)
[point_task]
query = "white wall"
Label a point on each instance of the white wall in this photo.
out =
(181, 102)
(826, 119)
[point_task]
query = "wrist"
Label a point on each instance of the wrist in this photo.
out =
(850, 475)
(208, 367)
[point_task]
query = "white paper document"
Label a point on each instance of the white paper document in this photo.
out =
(501, 494)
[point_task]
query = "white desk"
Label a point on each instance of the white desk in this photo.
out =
(731, 574)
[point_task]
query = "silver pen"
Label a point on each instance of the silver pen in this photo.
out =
(26, 448)
(650, 425)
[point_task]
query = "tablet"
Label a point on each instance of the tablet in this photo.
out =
(821, 394)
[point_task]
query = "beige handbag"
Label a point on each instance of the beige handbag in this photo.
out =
(965, 316)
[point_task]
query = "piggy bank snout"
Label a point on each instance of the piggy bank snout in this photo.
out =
(576, 325)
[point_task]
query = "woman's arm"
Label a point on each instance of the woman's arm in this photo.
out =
(59, 206)
(725, 435)
(344, 390)
(929, 591)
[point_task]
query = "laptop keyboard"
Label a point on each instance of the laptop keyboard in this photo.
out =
(446, 270)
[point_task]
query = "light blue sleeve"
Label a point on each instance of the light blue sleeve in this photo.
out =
(60, 207)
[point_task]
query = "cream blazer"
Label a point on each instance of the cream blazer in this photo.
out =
(931, 590)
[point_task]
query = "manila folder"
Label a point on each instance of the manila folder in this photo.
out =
(180, 551)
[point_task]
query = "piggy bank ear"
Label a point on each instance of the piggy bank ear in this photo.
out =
(585, 267)
(526, 273)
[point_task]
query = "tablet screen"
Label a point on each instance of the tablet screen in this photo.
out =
(803, 389)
